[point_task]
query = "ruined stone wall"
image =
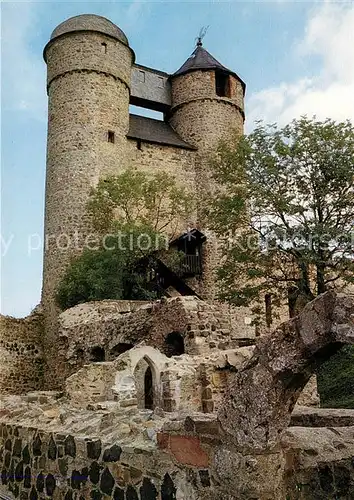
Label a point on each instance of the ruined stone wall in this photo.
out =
(319, 463)
(180, 383)
(103, 324)
(21, 355)
(181, 464)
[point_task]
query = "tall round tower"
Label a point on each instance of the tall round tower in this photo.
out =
(89, 64)
(207, 106)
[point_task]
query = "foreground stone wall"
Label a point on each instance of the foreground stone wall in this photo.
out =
(36, 464)
(319, 463)
(182, 464)
(21, 356)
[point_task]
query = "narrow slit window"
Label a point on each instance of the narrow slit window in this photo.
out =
(111, 136)
(292, 299)
(104, 48)
(138, 144)
(268, 309)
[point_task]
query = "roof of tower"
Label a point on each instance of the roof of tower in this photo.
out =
(154, 131)
(90, 22)
(201, 59)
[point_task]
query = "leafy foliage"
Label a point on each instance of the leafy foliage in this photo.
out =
(285, 213)
(135, 198)
(336, 380)
(285, 210)
(107, 273)
(135, 216)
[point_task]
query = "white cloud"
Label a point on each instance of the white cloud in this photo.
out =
(329, 35)
(23, 73)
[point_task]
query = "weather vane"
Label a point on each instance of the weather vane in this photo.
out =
(202, 33)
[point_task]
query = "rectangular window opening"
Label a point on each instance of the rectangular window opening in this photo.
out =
(148, 113)
(104, 48)
(138, 144)
(222, 84)
(111, 136)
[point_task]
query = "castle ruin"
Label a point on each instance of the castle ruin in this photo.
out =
(173, 399)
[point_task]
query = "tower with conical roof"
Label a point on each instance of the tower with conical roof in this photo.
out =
(207, 100)
(207, 106)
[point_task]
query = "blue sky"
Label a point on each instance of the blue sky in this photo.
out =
(296, 58)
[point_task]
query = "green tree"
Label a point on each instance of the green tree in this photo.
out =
(135, 216)
(285, 210)
(135, 198)
(110, 272)
(335, 380)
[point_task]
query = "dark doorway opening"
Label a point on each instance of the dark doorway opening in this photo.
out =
(148, 389)
(174, 344)
(222, 84)
(119, 349)
(97, 354)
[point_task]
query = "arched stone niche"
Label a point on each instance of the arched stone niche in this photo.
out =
(139, 372)
(147, 383)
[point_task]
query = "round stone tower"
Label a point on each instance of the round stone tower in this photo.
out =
(89, 64)
(207, 106)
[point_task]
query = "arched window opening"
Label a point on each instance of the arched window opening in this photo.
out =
(148, 389)
(174, 344)
(97, 354)
(110, 136)
(119, 349)
(292, 299)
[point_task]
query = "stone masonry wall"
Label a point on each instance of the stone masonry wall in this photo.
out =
(37, 464)
(319, 463)
(181, 464)
(21, 356)
(177, 162)
(103, 324)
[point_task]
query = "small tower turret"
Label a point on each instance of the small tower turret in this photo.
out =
(207, 100)
(207, 106)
